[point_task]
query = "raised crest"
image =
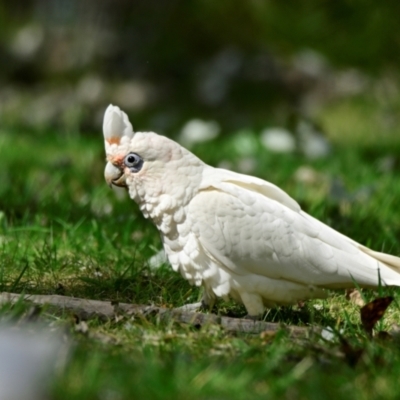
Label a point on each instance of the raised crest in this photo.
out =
(116, 125)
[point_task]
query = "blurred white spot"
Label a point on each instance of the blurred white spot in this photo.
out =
(120, 192)
(328, 334)
(90, 89)
(278, 140)
(101, 208)
(132, 95)
(27, 41)
(197, 130)
(311, 142)
(157, 260)
(27, 361)
(44, 109)
(350, 82)
(311, 63)
(245, 143)
(307, 175)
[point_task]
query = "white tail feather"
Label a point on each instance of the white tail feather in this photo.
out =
(392, 262)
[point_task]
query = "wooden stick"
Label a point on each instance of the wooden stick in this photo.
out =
(104, 310)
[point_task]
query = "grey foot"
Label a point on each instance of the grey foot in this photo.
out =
(194, 307)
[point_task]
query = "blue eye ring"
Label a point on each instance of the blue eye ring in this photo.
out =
(134, 162)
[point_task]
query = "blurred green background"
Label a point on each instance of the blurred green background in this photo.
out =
(243, 63)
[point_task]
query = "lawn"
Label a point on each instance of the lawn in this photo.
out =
(63, 231)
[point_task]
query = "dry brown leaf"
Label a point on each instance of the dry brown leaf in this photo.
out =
(372, 312)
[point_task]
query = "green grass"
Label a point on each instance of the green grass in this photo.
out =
(62, 230)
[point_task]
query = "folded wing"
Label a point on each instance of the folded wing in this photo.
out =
(252, 226)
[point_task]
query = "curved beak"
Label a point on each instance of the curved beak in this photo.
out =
(113, 175)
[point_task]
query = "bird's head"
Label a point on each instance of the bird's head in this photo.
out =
(148, 164)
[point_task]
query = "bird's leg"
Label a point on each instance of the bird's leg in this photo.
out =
(208, 299)
(254, 305)
(206, 304)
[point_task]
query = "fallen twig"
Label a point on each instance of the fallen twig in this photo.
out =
(104, 310)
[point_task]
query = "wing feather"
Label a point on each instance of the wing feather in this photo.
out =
(248, 231)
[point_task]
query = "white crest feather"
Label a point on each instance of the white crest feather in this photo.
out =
(116, 124)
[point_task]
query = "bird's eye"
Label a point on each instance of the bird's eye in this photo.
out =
(134, 162)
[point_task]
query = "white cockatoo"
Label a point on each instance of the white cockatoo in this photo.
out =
(236, 235)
